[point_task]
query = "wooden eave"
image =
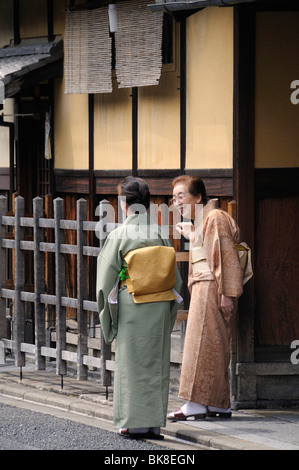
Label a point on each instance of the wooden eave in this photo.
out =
(183, 5)
(25, 65)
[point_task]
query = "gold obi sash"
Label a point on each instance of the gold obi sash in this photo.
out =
(151, 272)
(244, 253)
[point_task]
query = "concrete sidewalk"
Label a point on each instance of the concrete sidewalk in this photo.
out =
(246, 430)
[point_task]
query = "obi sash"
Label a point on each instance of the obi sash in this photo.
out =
(200, 264)
(244, 253)
(151, 274)
(199, 260)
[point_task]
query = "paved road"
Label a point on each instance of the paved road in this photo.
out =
(24, 429)
(30, 426)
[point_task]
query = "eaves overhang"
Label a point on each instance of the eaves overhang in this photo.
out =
(28, 63)
(173, 6)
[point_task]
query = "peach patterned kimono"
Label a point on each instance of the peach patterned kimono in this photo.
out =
(206, 357)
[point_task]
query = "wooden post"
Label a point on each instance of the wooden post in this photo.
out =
(244, 171)
(39, 284)
(3, 209)
(19, 315)
(59, 286)
(81, 289)
(105, 348)
(49, 266)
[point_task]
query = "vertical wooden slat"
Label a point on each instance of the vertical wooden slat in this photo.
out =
(16, 18)
(232, 209)
(3, 209)
(105, 348)
(19, 313)
(134, 131)
(59, 287)
(70, 259)
(183, 93)
(81, 289)
(50, 20)
(91, 262)
(39, 285)
(49, 269)
(92, 191)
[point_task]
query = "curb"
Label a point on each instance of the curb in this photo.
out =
(98, 408)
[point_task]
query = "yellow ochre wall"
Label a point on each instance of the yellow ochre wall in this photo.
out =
(158, 123)
(71, 129)
(113, 129)
(159, 117)
(277, 66)
(209, 108)
(210, 89)
(70, 114)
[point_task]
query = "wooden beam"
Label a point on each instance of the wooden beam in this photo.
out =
(91, 155)
(243, 147)
(219, 182)
(16, 22)
(50, 20)
(134, 131)
(183, 91)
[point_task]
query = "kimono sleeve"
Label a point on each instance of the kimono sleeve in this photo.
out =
(107, 275)
(222, 255)
(174, 305)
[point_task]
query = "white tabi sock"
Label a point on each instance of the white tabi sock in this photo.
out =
(191, 408)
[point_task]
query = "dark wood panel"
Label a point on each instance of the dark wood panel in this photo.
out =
(276, 182)
(4, 179)
(219, 182)
(71, 181)
(277, 271)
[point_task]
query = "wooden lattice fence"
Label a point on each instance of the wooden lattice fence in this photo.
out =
(19, 296)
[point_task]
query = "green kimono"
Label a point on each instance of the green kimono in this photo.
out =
(142, 331)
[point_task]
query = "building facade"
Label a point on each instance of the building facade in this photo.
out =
(225, 109)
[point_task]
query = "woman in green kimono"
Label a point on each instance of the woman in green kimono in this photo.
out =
(137, 293)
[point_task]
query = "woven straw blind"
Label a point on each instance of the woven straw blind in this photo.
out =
(138, 44)
(88, 52)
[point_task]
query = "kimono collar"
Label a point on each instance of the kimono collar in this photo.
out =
(137, 218)
(211, 205)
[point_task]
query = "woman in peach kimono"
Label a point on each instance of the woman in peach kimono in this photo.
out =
(215, 283)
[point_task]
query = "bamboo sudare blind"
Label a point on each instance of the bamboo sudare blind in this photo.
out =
(138, 44)
(88, 52)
